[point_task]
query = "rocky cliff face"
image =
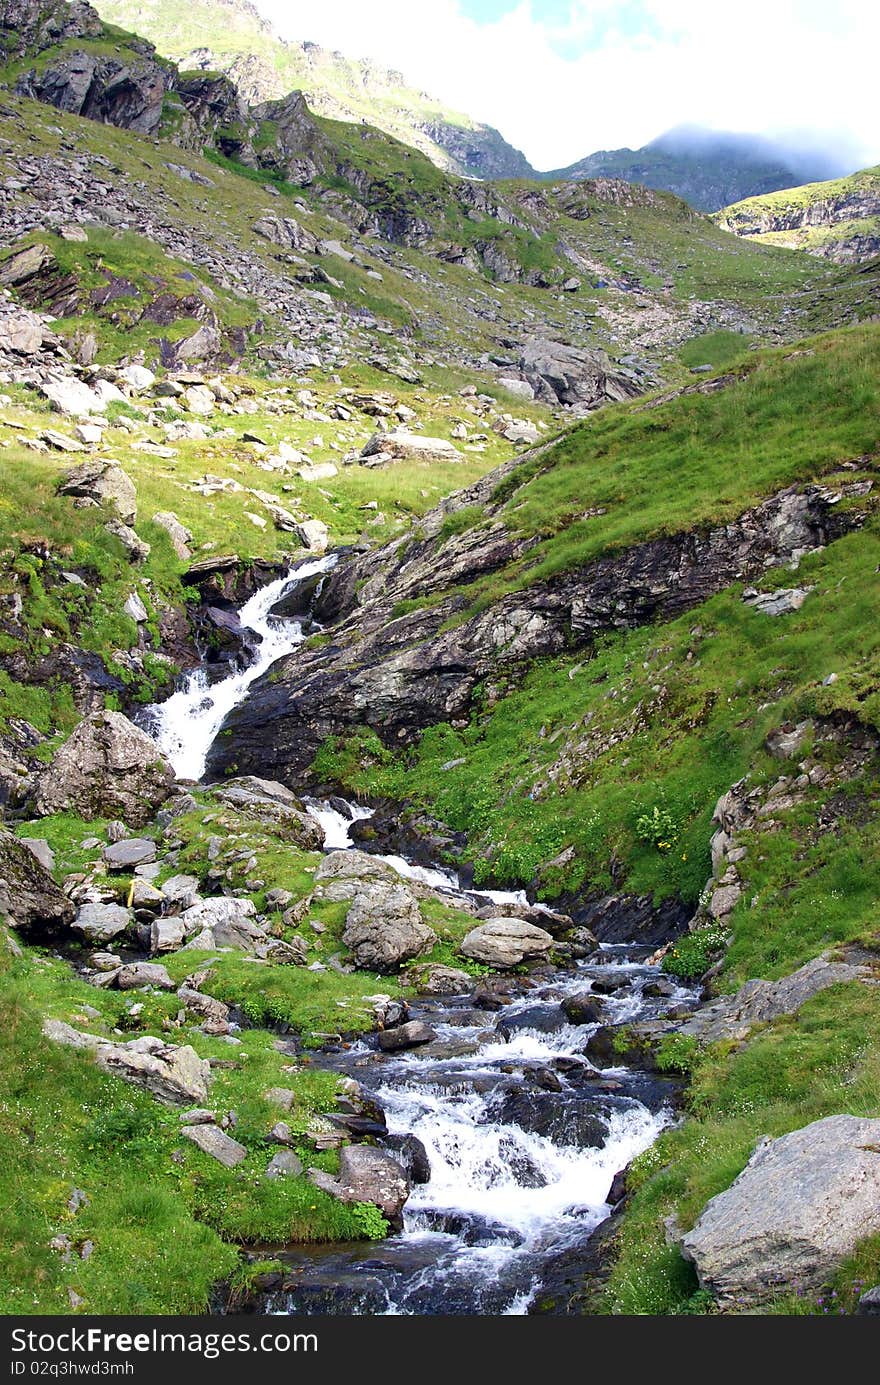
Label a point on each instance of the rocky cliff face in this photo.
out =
(839, 220)
(401, 673)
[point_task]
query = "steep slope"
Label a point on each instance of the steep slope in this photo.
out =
(708, 169)
(230, 36)
(839, 219)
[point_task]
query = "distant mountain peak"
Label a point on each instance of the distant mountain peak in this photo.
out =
(710, 169)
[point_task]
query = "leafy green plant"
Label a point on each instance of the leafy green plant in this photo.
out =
(694, 953)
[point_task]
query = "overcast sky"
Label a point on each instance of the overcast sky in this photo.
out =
(562, 78)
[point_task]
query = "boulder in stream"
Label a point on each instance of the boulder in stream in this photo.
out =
(505, 942)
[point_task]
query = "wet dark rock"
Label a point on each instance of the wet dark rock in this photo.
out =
(411, 1153)
(545, 1019)
(583, 1009)
(617, 1191)
(572, 1121)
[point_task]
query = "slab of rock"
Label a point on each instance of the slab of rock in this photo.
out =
(135, 975)
(800, 1207)
(22, 333)
(561, 374)
(137, 377)
(40, 848)
(130, 852)
(280, 1096)
(521, 388)
(400, 446)
(182, 890)
(312, 534)
(503, 942)
(274, 803)
(72, 396)
(108, 768)
(367, 1175)
(101, 923)
(384, 927)
(407, 1035)
(145, 896)
(434, 979)
(61, 1033)
(777, 603)
(204, 1005)
(181, 537)
(758, 1002)
(173, 1074)
(214, 1141)
(167, 935)
(222, 922)
(29, 896)
(103, 483)
(284, 1164)
(344, 874)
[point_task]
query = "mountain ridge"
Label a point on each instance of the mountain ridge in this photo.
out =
(265, 67)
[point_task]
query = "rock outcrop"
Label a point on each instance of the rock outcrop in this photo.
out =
(400, 673)
(29, 897)
(800, 1207)
(108, 768)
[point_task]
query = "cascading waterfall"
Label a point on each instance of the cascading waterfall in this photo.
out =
(522, 1133)
(186, 725)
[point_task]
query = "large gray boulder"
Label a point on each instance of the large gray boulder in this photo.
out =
(384, 927)
(101, 923)
(22, 333)
(503, 942)
(214, 1141)
(561, 374)
(102, 483)
(29, 896)
(400, 446)
(367, 1175)
(800, 1207)
(72, 396)
(108, 768)
(222, 922)
(344, 874)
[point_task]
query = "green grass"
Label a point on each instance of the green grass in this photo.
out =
(163, 1231)
(716, 349)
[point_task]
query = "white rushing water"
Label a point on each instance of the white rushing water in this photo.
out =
(337, 825)
(186, 725)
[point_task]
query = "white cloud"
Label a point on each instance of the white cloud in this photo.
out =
(767, 66)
